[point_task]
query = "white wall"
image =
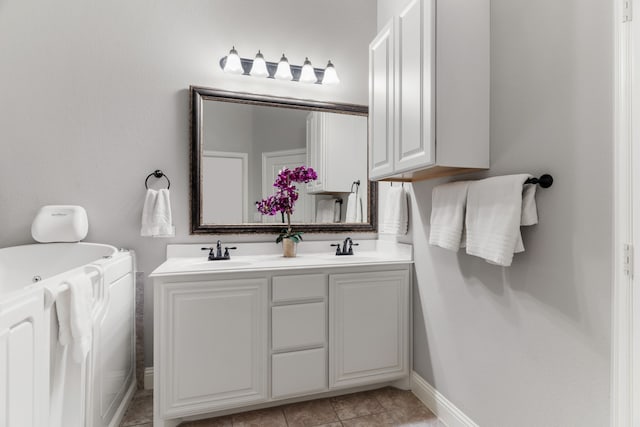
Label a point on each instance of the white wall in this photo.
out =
(94, 96)
(529, 345)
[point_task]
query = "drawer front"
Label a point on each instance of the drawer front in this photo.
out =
(298, 325)
(296, 288)
(300, 372)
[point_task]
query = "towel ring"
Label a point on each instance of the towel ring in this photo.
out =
(158, 174)
(357, 184)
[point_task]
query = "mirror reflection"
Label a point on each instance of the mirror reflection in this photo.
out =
(245, 145)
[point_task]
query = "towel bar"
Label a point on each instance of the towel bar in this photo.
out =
(158, 174)
(545, 181)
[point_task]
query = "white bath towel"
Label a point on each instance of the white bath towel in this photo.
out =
(396, 216)
(448, 206)
(73, 307)
(326, 210)
(156, 214)
(496, 207)
(354, 208)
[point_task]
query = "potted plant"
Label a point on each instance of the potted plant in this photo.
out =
(283, 202)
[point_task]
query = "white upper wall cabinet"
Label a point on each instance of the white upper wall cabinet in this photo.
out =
(429, 91)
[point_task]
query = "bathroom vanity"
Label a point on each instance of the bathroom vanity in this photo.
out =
(259, 330)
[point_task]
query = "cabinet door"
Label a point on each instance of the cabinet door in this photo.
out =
(315, 149)
(345, 143)
(368, 327)
(214, 345)
(414, 94)
(381, 82)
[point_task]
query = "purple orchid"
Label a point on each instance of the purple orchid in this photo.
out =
(285, 197)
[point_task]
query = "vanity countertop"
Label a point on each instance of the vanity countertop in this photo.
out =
(248, 257)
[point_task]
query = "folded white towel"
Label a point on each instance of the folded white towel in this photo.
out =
(354, 208)
(395, 219)
(73, 307)
(496, 207)
(156, 214)
(447, 215)
(326, 210)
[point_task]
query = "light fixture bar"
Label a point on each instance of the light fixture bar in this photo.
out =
(296, 70)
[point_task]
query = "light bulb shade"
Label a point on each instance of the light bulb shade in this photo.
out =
(283, 72)
(259, 67)
(308, 75)
(330, 75)
(233, 64)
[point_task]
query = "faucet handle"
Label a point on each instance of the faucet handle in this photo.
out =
(226, 250)
(207, 249)
(351, 244)
(337, 245)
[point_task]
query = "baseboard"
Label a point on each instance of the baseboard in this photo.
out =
(446, 411)
(148, 378)
(122, 409)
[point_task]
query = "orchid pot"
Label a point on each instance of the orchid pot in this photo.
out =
(288, 248)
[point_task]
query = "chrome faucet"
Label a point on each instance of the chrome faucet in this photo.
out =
(219, 255)
(346, 250)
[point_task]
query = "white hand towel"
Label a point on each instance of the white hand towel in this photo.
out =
(354, 208)
(156, 214)
(447, 215)
(496, 207)
(325, 210)
(73, 307)
(396, 216)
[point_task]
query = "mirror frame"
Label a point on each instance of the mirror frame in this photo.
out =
(197, 97)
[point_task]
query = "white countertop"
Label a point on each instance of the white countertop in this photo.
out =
(191, 259)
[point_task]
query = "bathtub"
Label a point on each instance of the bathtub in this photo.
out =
(40, 385)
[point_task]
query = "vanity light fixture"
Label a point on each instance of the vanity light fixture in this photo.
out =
(233, 64)
(259, 66)
(284, 69)
(281, 70)
(307, 75)
(330, 75)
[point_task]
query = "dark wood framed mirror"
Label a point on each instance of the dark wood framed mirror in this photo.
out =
(240, 140)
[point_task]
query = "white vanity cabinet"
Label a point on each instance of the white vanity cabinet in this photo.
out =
(210, 344)
(429, 91)
(335, 144)
(228, 341)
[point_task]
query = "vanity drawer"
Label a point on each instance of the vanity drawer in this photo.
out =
(298, 325)
(296, 288)
(299, 372)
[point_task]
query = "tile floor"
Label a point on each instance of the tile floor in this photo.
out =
(383, 407)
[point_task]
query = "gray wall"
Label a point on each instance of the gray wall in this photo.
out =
(529, 345)
(94, 96)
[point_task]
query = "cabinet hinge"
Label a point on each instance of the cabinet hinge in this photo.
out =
(628, 260)
(627, 10)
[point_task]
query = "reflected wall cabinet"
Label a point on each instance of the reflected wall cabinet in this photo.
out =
(335, 144)
(429, 91)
